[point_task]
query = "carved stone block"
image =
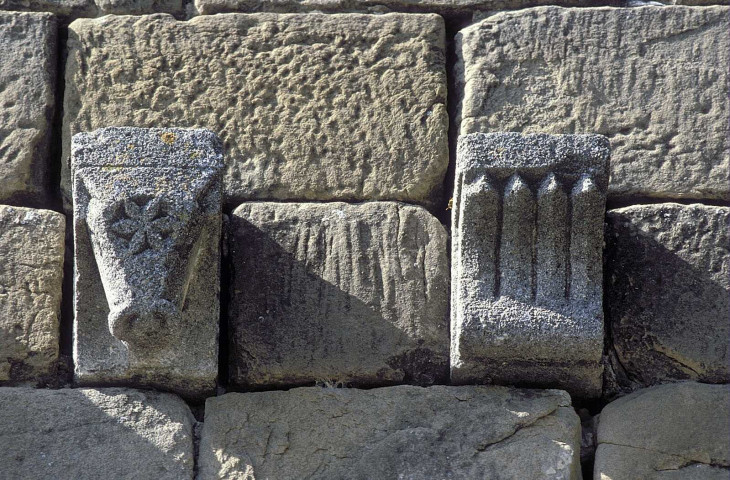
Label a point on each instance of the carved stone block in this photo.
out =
(526, 253)
(147, 223)
(338, 292)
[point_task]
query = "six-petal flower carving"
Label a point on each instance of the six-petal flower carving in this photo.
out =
(145, 227)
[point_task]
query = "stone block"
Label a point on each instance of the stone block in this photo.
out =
(27, 97)
(85, 434)
(668, 296)
(460, 433)
(667, 432)
(337, 292)
(611, 71)
(147, 226)
(447, 8)
(68, 10)
(310, 107)
(527, 228)
(31, 273)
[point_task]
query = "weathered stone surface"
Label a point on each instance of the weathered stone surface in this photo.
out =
(147, 226)
(71, 9)
(611, 72)
(668, 268)
(31, 272)
(668, 432)
(85, 434)
(311, 107)
(337, 292)
(397, 432)
(27, 97)
(445, 7)
(527, 281)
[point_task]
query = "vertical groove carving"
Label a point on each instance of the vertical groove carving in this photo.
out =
(586, 242)
(518, 227)
(480, 205)
(552, 242)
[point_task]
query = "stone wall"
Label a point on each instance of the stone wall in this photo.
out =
(359, 239)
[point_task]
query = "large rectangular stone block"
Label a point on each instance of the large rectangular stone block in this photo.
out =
(27, 100)
(527, 243)
(668, 296)
(336, 292)
(86, 434)
(653, 80)
(147, 227)
(667, 432)
(404, 432)
(31, 272)
(310, 107)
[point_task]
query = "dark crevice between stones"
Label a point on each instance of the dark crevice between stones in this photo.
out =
(454, 23)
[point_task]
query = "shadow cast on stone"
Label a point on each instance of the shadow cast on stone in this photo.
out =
(654, 297)
(290, 327)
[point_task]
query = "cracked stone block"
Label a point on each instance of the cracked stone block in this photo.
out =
(668, 432)
(527, 229)
(31, 274)
(27, 96)
(407, 432)
(147, 226)
(668, 273)
(334, 292)
(310, 107)
(85, 434)
(610, 71)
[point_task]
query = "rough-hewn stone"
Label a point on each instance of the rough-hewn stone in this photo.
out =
(85, 434)
(668, 297)
(68, 10)
(668, 432)
(147, 226)
(337, 292)
(27, 100)
(311, 107)
(31, 272)
(397, 432)
(653, 80)
(526, 279)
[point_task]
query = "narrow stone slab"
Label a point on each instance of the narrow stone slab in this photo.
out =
(397, 432)
(31, 272)
(669, 432)
(310, 107)
(611, 71)
(669, 271)
(527, 230)
(70, 9)
(444, 7)
(337, 293)
(85, 434)
(147, 226)
(27, 100)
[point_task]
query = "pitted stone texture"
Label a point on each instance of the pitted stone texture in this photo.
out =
(336, 292)
(527, 281)
(310, 107)
(85, 434)
(27, 99)
(611, 72)
(147, 226)
(668, 432)
(31, 272)
(668, 298)
(63, 8)
(397, 432)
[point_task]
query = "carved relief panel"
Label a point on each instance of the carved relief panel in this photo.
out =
(527, 260)
(147, 222)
